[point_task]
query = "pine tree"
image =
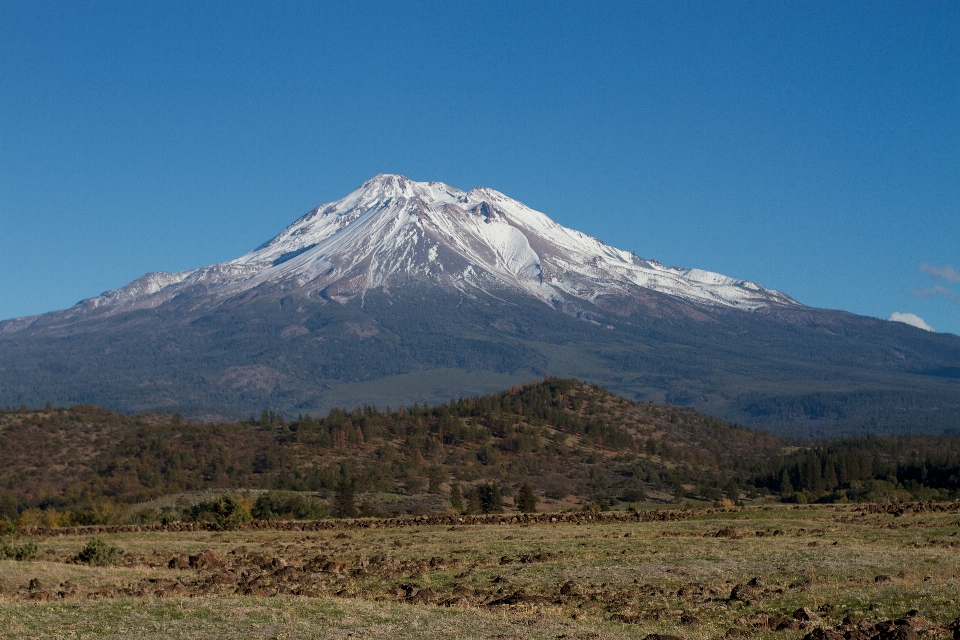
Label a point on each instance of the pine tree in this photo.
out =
(473, 501)
(435, 477)
(526, 499)
(456, 498)
(343, 506)
(491, 500)
(785, 487)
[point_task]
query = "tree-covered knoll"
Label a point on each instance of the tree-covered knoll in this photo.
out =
(558, 438)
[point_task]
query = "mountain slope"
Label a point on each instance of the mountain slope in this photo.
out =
(407, 291)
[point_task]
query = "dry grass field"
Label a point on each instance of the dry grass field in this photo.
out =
(777, 572)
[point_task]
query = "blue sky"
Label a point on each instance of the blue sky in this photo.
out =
(813, 147)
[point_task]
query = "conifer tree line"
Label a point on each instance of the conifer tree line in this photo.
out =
(867, 469)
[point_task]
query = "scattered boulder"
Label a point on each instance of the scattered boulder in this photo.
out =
(744, 592)
(689, 620)
(205, 560)
(735, 634)
(755, 620)
(823, 634)
(912, 619)
(894, 631)
(803, 614)
(625, 618)
(424, 596)
(783, 623)
(523, 595)
(955, 626)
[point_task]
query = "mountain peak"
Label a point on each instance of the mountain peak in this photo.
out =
(479, 242)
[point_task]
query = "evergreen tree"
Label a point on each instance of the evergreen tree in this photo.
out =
(435, 477)
(526, 499)
(491, 500)
(473, 501)
(456, 498)
(343, 505)
(786, 488)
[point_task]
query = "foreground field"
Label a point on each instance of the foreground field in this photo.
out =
(774, 572)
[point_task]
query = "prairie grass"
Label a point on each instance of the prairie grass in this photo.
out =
(838, 560)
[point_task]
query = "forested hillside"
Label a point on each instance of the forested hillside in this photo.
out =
(569, 444)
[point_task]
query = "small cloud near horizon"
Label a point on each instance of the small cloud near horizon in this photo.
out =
(948, 273)
(938, 290)
(911, 319)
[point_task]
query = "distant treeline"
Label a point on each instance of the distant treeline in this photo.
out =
(866, 469)
(874, 411)
(557, 438)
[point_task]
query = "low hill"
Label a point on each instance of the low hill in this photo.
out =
(574, 444)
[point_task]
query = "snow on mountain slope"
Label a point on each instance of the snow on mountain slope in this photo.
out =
(392, 228)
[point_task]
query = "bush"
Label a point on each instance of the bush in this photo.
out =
(26, 551)
(99, 552)
(224, 512)
(633, 494)
(556, 487)
(288, 505)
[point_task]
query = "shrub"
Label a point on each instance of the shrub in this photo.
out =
(224, 512)
(288, 505)
(633, 494)
(98, 551)
(26, 551)
(556, 488)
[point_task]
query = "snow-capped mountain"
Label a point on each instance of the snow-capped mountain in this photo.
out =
(478, 241)
(407, 292)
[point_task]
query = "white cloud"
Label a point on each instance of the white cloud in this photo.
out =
(946, 272)
(911, 319)
(938, 290)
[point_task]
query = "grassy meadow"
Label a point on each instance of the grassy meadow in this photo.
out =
(775, 571)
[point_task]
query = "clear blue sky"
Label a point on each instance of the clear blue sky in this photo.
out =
(813, 147)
